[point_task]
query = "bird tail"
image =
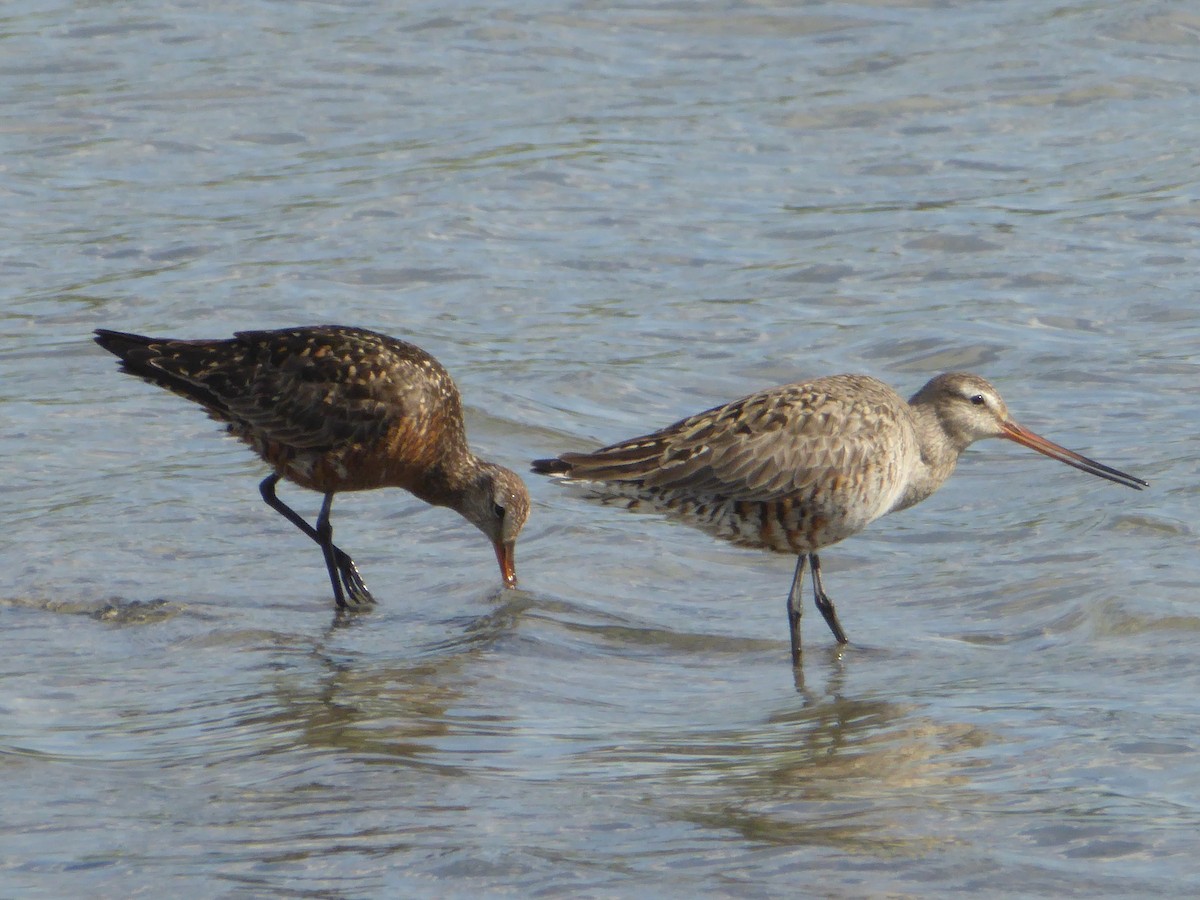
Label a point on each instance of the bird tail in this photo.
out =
(157, 360)
(630, 461)
(550, 467)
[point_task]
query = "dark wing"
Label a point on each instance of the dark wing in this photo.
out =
(772, 444)
(308, 388)
(323, 387)
(168, 363)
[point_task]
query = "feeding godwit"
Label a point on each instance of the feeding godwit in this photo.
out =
(802, 466)
(335, 409)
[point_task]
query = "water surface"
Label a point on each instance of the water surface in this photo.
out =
(601, 219)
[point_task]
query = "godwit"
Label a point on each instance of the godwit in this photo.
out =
(335, 409)
(799, 467)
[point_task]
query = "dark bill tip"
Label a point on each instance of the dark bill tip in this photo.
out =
(1014, 432)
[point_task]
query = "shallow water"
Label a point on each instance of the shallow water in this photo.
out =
(600, 220)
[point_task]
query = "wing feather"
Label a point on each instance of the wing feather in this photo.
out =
(770, 445)
(306, 388)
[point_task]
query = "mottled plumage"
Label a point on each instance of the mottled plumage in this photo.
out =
(333, 409)
(800, 467)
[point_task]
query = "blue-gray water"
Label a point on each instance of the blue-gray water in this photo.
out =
(601, 217)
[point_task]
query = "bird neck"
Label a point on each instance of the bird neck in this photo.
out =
(939, 454)
(451, 482)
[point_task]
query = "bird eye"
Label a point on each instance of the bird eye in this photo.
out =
(979, 400)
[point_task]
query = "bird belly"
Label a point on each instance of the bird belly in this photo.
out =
(786, 525)
(347, 468)
(351, 466)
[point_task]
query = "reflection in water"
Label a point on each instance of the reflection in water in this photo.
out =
(603, 216)
(828, 786)
(401, 711)
(394, 713)
(813, 774)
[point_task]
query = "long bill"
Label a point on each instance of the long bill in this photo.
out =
(506, 556)
(1014, 432)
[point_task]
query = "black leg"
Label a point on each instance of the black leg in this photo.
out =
(824, 604)
(795, 608)
(325, 539)
(347, 572)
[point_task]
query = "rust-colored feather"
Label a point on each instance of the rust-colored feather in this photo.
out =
(334, 408)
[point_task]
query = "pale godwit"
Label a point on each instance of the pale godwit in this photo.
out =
(339, 409)
(799, 467)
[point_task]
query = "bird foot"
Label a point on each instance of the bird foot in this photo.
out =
(356, 589)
